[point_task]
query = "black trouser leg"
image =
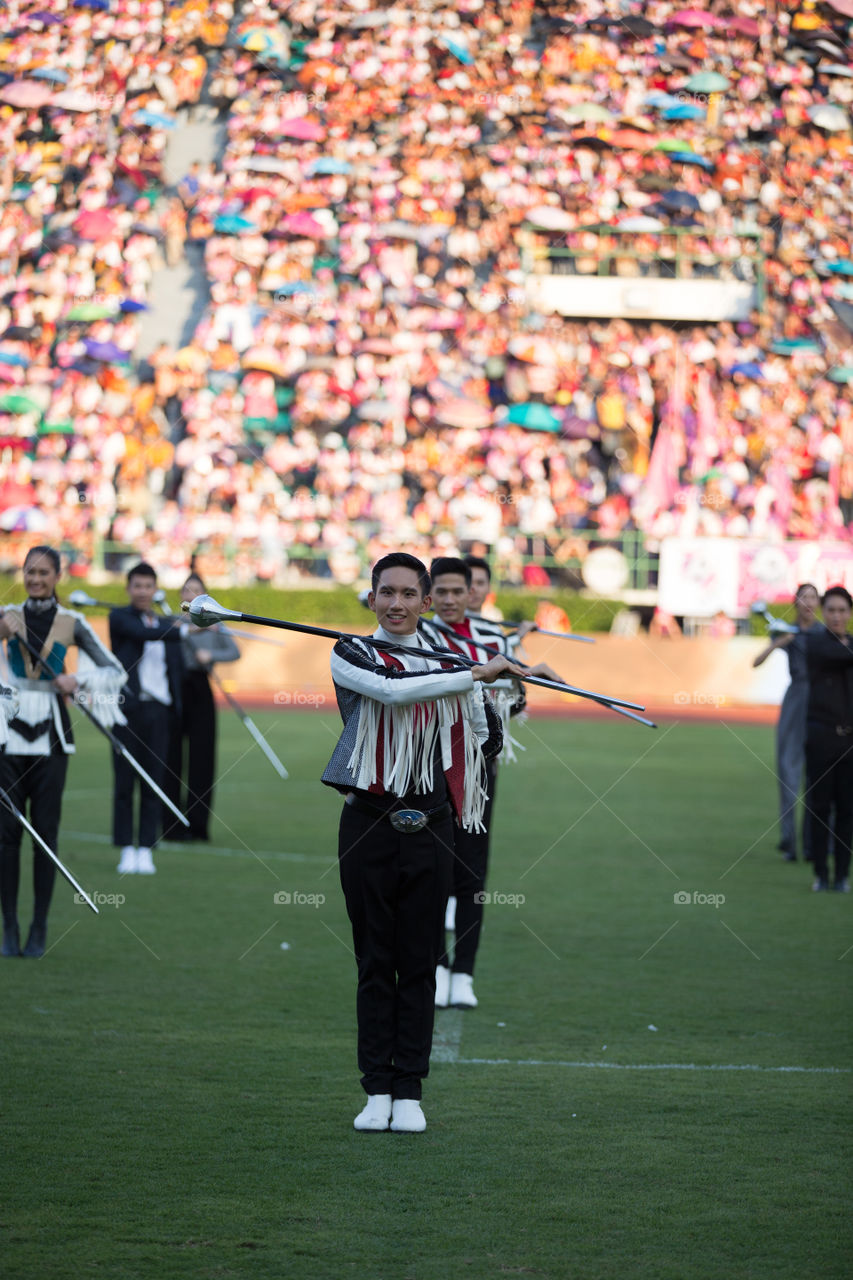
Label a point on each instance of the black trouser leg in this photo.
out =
(396, 887)
(172, 829)
(200, 732)
(34, 782)
(843, 793)
(470, 867)
(146, 736)
(821, 753)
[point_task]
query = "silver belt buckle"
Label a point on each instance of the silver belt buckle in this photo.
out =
(408, 820)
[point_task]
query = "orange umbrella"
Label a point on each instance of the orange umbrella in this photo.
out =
(631, 140)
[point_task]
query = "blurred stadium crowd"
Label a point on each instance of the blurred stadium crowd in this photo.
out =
(369, 372)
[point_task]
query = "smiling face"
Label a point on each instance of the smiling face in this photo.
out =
(450, 597)
(398, 601)
(40, 577)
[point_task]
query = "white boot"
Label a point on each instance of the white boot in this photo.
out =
(144, 862)
(127, 866)
(407, 1117)
(462, 991)
(442, 986)
(376, 1114)
(450, 916)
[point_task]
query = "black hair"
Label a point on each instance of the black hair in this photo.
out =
(477, 562)
(402, 560)
(51, 554)
(141, 570)
(195, 577)
(805, 586)
(837, 590)
(450, 564)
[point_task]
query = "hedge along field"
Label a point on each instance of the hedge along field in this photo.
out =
(653, 1085)
(340, 606)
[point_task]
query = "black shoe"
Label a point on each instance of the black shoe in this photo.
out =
(36, 942)
(790, 857)
(842, 886)
(11, 940)
(820, 886)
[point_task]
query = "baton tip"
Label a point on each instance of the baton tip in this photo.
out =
(185, 606)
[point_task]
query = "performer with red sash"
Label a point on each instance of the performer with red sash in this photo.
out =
(411, 761)
(451, 627)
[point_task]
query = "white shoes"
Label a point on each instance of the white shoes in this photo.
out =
(127, 865)
(450, 916)
(462, 991)
(376, 1114)
(407, 1117)
(442, 986)
(144, 863)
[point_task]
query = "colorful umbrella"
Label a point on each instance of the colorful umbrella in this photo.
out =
(302, 129)
(463, 413)
(695, 18)
(459, 51)
(829, 117)
(76, 100)
(26, 93)
(303, 224)
(328, 165)
(550, 218)
(233, 224)
(130, 306)
(690, 157)
(89, 311)
(585, 111)
(684, 111)
(533, 349)
(153, 120)
(18, 402)
(108, 352)
(534, 416)
(707, 82)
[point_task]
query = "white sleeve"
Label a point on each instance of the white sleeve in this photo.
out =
(400, 688)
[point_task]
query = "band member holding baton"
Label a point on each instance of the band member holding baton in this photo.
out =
(34, 761)
(791, 726)
(149, 647)
(197, 724)
(411, 763)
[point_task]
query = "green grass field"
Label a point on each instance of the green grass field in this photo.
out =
(644, 1092)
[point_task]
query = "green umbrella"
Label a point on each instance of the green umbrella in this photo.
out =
(90, 311)
(56, 429)
(707, 82)
(535, 417)
(844, 373)
(787, 346)
(16, 402)
(673, 144)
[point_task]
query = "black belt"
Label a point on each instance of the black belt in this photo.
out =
(405, 820)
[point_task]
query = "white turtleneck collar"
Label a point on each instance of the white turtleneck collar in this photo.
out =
(412, 641)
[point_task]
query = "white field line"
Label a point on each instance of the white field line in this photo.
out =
(642, 1066)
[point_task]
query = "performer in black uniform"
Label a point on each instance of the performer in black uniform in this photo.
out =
(829, 740)
(149, 648)
(451, 579)
(410, 760)
(202, 647)
(34, 761)
(791, 726)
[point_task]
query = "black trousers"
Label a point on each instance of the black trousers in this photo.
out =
(37, 783)
(197, 729)
(396, 888)
(829, 787)
(470, 866)
(146, 736)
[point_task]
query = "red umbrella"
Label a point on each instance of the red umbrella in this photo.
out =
(95, 224)
(745, 26)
